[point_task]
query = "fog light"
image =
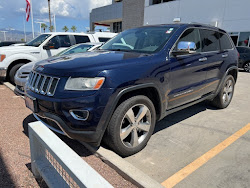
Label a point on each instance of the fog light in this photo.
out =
(79, 114)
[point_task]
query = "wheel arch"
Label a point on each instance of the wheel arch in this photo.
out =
(15, 62)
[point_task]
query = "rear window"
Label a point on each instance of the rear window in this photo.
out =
(225, 42)
(103, 39)
(81, 39)
(210, 40)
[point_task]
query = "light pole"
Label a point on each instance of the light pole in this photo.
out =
(4, 34)
(40, 26)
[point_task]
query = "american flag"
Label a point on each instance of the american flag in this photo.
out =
(28, 10)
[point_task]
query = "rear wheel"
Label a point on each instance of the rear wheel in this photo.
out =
(13, 71)
(131, 125)
(247, 67)
(224, 97)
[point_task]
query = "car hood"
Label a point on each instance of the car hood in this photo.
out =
(17, 49)
(88, 63)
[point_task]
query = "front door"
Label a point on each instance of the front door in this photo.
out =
(188, 72)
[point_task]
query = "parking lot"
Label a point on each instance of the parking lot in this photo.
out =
(201, 146)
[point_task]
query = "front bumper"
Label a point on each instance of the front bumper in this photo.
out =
(55, 114)
(3, 73)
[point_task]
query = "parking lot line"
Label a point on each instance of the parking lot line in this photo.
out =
(186, 171)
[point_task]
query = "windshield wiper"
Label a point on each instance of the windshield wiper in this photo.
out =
(120, 50)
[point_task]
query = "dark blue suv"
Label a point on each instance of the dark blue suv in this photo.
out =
(118, 92)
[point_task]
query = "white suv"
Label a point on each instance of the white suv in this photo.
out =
(42, 47)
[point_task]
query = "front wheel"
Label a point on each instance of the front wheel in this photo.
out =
(131, 126)
(224, 97)
(13, 71)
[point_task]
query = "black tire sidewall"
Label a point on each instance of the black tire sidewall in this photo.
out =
(117, 118)
(13, 71)
(224, 105)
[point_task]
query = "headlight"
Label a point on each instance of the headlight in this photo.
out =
(84, 83)
(2, 57)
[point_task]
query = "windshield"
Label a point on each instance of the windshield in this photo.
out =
(38, 40)
(142, 40)
(76, 49)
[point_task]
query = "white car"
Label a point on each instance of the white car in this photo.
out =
(22, 74)
(43, 47)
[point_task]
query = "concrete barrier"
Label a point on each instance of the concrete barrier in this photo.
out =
(57, 163)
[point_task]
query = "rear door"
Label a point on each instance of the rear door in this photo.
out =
(214, 58)
(187, 72)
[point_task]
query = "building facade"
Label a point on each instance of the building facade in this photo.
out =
(230, 15)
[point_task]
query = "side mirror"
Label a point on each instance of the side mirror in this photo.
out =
(49, 47)
(184, 48)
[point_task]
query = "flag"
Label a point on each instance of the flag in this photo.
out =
(28, 6)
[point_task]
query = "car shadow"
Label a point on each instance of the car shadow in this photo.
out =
(5, 177)
(181, 115)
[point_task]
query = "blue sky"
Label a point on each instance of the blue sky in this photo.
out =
(68, 12)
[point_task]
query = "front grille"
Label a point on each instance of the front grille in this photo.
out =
(45, 85)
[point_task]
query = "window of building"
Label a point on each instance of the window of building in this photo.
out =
(117, 27)
(244, 39)
(191, 35)
(225, 42)
(154, 2)
(81, 39)
(210, 40)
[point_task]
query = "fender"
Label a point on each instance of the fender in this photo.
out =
(224, 77)
(9, 60)
(117, 97)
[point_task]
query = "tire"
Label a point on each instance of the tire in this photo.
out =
(224, 97)
(13, 71)
(246, 67)
(121, 121)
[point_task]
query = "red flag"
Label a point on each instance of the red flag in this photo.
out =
(28, 10)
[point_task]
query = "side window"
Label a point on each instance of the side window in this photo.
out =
(64, 41)
(103, 39)
(81, 39)
(225, 42)
(54, 42)
(191, 35)
(210, 40)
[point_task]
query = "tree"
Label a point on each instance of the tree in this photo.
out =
(44, 26)
(73, 28)
(65, 28)
(49, 13)
(51, 28)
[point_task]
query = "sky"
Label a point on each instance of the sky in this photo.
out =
(68, 12)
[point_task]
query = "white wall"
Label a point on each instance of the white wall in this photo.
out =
(231, 15)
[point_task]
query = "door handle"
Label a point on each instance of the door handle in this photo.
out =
(225, 55)
(203, 59)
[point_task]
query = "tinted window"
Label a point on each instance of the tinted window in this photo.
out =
(241, 50)
(191, 35)
(103, 39)
(210, 40)
(38, 41)
(81, 39)
(225, 42)
(54, 42)
(64, 41)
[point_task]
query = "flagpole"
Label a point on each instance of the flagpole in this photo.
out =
(32, 19)
(55, 22)
(25, 38)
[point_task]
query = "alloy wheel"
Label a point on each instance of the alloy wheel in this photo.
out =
(135, 125)
(247, 67)
(228, 91)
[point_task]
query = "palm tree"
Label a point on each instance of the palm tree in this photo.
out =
(65, 28)
(44, 26)
(51, 28)
(49, 14)
(73, 28)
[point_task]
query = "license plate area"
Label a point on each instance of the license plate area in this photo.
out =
(31, 103)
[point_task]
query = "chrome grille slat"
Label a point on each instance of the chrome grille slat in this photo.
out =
(39, 83)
